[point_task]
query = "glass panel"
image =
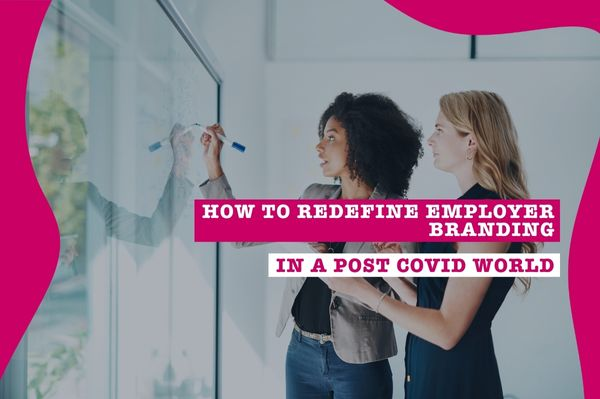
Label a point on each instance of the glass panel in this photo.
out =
(130, 312)
(60, 96)
(166, 297)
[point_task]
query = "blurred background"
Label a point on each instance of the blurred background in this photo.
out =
(188, 320)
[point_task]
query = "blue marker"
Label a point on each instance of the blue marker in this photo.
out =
(159, 144)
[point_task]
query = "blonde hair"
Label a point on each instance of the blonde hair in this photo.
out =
(497, 162)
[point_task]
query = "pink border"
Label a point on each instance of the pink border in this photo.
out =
(584, 275)
(476, 17)
(29, 234)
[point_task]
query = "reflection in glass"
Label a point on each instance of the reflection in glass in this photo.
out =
(56, 138)
(121, 319)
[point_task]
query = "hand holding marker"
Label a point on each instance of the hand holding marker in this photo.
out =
(236, 145)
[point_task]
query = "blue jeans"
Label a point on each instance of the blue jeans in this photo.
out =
(314, 371)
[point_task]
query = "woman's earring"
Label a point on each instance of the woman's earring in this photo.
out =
(470, 155)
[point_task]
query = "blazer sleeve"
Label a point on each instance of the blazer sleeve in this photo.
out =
(314, 191)
(220, 189)
(145, 230)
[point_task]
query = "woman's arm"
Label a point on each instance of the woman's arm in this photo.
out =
(211, 151)
(144, 230)
(444, 327)
(403, 286)
(151, 230)
(406, 290)
(217, 186)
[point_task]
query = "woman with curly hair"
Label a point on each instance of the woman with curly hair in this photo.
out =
(449, 348)
(338, 346)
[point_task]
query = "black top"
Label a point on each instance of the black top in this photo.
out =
(469, 370)
(311, 307)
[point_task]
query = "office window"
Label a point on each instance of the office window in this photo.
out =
(131, 311)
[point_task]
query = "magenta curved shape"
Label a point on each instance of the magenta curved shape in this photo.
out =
(584, 274)
(29, 233)
(477, 17)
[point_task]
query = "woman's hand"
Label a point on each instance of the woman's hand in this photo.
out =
(211, 150)
(181, 143)
(319, 247)
(387, 247)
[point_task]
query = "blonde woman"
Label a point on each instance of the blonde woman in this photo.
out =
(449, 348)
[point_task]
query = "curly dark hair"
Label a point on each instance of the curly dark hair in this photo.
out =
(383, 143)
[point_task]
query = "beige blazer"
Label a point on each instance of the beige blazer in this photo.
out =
(359, 334)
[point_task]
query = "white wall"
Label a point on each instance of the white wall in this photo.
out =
(355, 30)
(548, 43)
